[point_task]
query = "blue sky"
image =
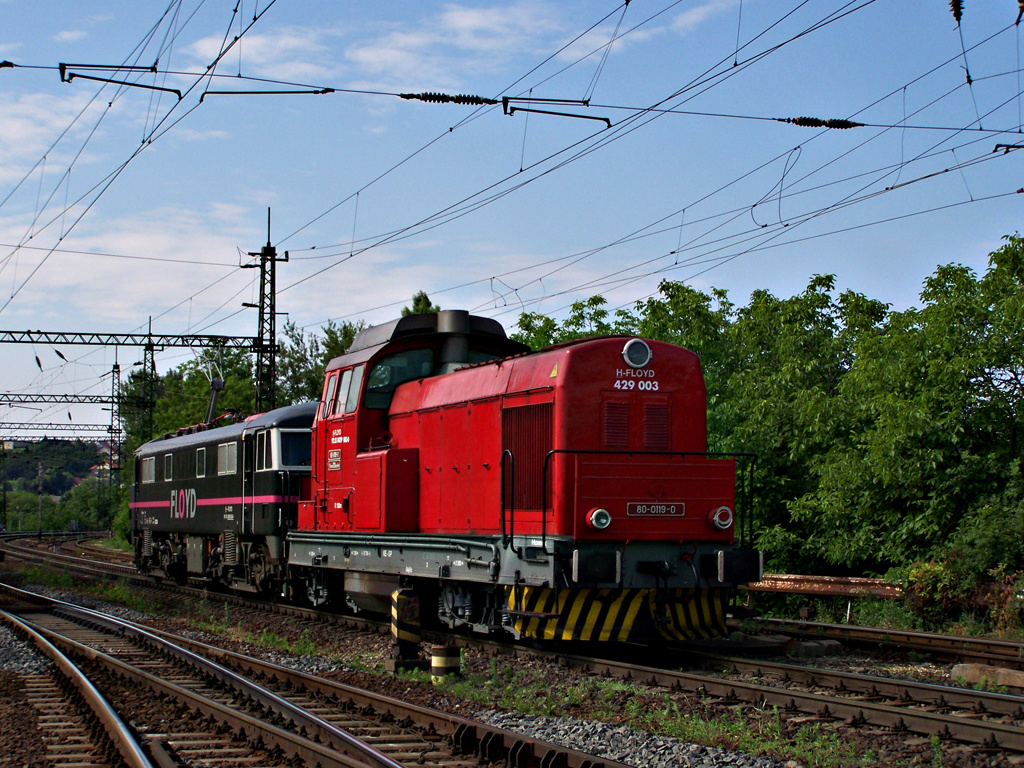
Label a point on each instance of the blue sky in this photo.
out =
(118, 204)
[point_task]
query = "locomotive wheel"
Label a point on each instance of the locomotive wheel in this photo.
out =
(259, 573)
(316, 588)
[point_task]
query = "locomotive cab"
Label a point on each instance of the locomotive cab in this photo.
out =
(363, 478)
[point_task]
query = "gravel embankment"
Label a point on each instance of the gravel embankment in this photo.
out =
(625, 745)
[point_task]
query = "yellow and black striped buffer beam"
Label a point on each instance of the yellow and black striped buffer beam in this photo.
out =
(689, 614)
(617, 614)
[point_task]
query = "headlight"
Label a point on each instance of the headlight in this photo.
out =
(636, 353)
(720, 518)
(599, 518)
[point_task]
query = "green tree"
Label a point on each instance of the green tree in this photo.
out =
(585, 318)
(420, 305)
(24, 508)
(92, 504)
(935, 404)
(185, 396)
(303, 358)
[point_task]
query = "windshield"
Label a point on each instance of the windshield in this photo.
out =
(391, 370)
(295, 449)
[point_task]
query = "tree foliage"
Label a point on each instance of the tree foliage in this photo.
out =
(303, 357)
(51, 467)
(420, 306)
(883, 438)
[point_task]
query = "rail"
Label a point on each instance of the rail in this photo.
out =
(118, 733)
(839, 586)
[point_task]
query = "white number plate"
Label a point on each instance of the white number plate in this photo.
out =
(671, 509)
(644, 385)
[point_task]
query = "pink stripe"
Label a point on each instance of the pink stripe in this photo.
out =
(251, 500)
(149, 504)
(219, 502)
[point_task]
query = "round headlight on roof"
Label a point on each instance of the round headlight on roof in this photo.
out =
(636, 353)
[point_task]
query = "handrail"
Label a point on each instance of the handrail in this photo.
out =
(508, 539)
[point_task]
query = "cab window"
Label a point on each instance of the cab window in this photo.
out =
(391, 370)
(332, 382)
(339, 402)
(264, 452)
(295, 448)
(353, 392)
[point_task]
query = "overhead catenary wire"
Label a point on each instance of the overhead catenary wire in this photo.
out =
(117, 172)
(588, 145)
(319, 256)
(919, 77)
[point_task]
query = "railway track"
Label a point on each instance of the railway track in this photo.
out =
(946, 712)
(221, 714)
(989, 722)
(975, 650)
(75, 724)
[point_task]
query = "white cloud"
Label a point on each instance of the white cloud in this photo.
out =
(70, 36)
(692, 18)
(90, 291)
(190, 134)
(300, 54)
(493, 29)
(447, 51)
(29, 124)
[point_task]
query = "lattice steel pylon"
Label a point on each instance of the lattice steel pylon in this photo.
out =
(148, 384)
(266, 352)
(116, 431)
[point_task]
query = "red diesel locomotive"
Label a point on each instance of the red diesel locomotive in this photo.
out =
(562, 495)
(565, 494)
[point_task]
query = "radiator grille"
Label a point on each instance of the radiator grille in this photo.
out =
(527, 432)
(616, 426)
(656, 427)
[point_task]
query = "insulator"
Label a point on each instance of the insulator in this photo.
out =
(444, 98)
(1020, 12)
(957, 7)
(842, 124)
(806, 122)
(817, 122)
(475, 100)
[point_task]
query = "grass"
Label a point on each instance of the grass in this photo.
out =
(514, 689)
(121, 593)
(118, 543)
(47, 577)
(303, 646)
(118, 592)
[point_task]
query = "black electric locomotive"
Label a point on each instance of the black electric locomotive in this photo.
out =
(218, 502)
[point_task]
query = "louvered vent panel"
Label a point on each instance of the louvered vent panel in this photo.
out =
(616, 426)
(527, 432)
(656, 427)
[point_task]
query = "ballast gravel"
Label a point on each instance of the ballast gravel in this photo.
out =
(20, 657)
(623, 744)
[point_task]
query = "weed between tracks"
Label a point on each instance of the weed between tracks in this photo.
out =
(117, 592)
(685, 717)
